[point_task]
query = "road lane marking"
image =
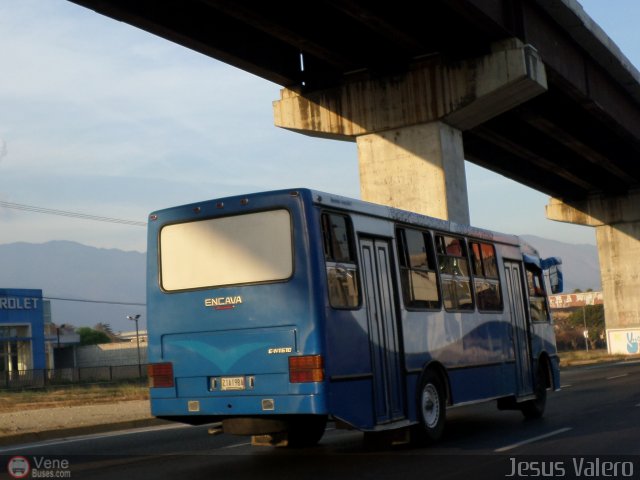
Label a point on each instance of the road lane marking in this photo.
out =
(628, 362)
(95, 436)
(237, 445)
(566, 386)
(618, 376)
(532, 440)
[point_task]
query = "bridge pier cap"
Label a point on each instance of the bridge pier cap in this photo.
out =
(617, 224)
(408, 126)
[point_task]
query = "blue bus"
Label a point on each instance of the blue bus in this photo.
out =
(275, 312)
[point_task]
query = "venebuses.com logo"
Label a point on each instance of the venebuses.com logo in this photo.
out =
(18, 467)
(38, 467)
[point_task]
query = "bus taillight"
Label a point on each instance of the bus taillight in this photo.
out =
(160, 375)
(308, 368)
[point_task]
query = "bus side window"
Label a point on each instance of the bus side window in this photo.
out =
(417, 269)
(453, 263)
(486, 278)
(537, 297)
(339, 254)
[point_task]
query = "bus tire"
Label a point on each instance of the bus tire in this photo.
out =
(432, 408)
(532, 409)
(306, 431)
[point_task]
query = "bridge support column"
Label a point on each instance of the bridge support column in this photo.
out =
(409, 126)
(418, 168)
(617, 223)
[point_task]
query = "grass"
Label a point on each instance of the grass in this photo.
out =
(14, 400)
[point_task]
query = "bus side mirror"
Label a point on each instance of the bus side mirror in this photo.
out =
(555, 278)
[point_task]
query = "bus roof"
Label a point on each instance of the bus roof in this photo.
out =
(403, 216)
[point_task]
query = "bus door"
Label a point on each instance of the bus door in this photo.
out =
(520, 326)
(382, 319)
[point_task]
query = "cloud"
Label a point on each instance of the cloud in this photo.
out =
(3, 149)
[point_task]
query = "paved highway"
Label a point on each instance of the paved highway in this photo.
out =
(593, 419)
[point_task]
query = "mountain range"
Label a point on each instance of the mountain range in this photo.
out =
(81, 275)
(579, 262)
(74, 276)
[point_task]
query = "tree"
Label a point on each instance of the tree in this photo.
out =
(568, 336)
(89, 336)
(593, 316)
(104, 327)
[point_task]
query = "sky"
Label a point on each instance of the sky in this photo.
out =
(101, 118)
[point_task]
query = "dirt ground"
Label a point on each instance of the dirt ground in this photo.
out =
(46, 419)
(71, 407)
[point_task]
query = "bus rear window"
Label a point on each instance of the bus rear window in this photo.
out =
(249, 248)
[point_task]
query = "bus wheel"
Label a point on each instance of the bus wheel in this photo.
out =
(431, 408)
(535, 408)
(306, 431)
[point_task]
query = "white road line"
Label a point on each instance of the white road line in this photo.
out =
(237, 445)
(532, 440)
(566, 386)
(82, 438)
(618, 376)
(628, 362)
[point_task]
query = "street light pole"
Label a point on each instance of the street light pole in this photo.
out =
(135, 319)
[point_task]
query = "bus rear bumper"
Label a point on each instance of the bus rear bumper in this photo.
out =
(231, 406)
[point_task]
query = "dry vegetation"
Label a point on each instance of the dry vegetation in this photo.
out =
(583, 357)
(11, 401)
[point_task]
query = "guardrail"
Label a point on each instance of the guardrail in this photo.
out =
(64, 376)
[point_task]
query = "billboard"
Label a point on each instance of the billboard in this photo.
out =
(625, 341)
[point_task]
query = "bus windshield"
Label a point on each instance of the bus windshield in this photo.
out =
(240, 249)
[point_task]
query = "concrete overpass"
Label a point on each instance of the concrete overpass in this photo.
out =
(531, 89)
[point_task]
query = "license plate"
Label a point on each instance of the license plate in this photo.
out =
(232, 383)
